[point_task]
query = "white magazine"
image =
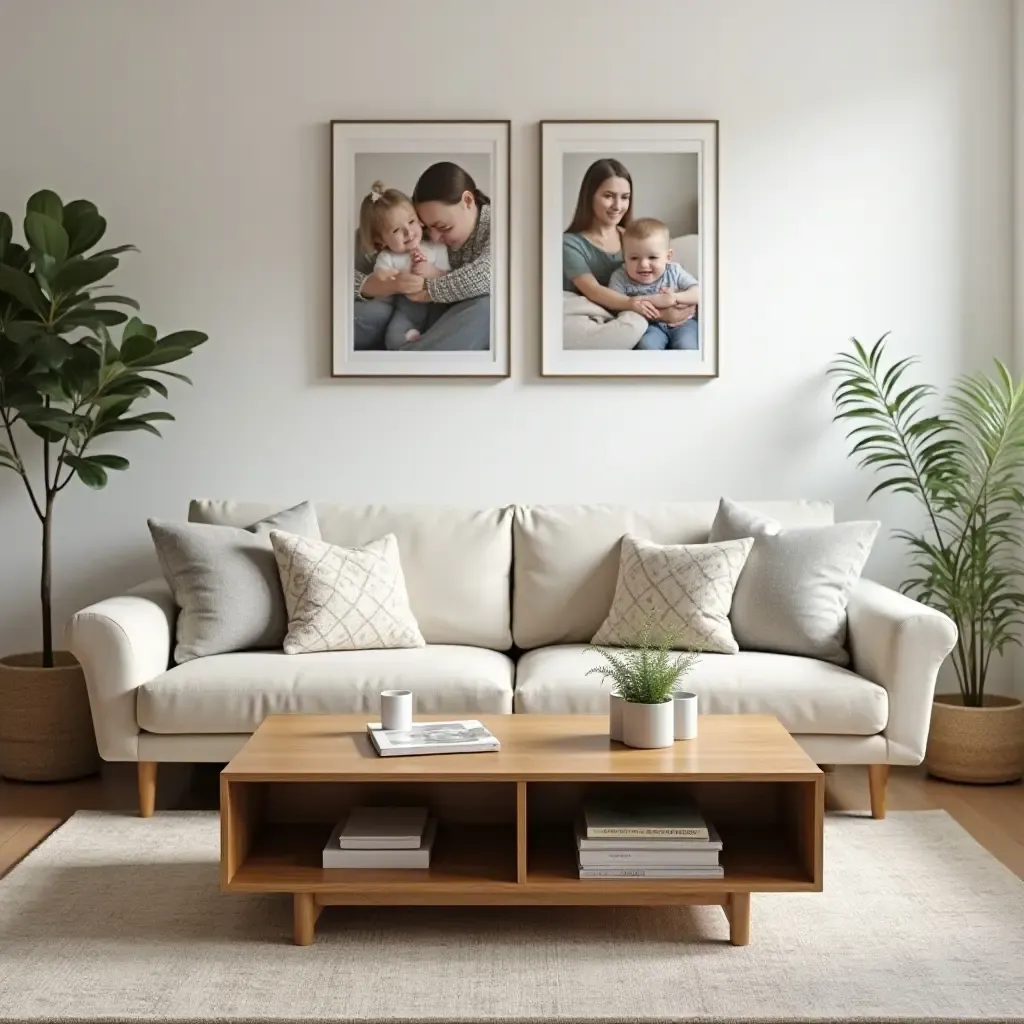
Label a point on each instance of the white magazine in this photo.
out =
(461, 736)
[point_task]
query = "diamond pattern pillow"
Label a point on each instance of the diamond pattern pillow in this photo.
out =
(344, 599)
(686, 588)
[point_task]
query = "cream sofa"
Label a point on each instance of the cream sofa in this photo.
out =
(507, 600)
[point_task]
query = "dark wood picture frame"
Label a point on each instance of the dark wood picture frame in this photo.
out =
(558, 318)
(398, 140)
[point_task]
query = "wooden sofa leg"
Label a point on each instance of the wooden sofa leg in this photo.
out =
(878, 776)
(147, 788)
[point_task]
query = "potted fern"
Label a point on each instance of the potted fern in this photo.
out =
(66, 388)
(962, 462)
(645, 678)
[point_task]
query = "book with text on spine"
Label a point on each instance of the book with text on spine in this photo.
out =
(665, 820)
(641, 843)
(641, 873)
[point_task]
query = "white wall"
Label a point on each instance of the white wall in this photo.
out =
(865, 186)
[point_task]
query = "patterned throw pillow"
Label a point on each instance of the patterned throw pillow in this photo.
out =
(686, 589)
(344, 599)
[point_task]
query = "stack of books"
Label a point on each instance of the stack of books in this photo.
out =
(381, 838)
(652, 841)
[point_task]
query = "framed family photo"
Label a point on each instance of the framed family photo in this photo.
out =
(629, 248)
(420, 248)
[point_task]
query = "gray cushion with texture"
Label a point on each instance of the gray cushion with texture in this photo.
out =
(792, 594)
(225, 581)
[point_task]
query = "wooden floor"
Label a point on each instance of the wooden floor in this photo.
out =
(994, 815)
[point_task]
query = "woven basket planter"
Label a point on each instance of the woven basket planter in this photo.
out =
(46, 732)
(969, 744)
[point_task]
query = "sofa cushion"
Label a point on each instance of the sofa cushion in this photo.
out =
(456, 561)
(684, 591)
(792, 595)
(225, 581)
(233, 693)
(807, 696)
(567, 557)
(344, 599)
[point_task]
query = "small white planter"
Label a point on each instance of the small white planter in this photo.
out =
(615, 704)
(648, 725)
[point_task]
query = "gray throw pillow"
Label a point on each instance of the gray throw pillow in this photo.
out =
(793, 592)
(226, 583)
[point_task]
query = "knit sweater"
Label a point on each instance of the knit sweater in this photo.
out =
(470, 275)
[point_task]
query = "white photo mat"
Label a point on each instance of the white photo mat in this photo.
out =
(560, 138)
(349, 139)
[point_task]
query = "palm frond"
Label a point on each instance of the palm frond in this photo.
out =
(964, 466)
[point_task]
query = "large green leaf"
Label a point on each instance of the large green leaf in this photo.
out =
(47, 235)
(163, 354)
(89, 471)
(22, 332)
(118, 300)
(109, 461)
(6, 233)
(19, 285)
(51, 350)
(92, 318)
(136, 347)
(80, 273)
(48, 203)
(130, 423)
(183, 339)
(84, 225)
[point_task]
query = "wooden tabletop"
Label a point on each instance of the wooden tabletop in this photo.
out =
(325, 748)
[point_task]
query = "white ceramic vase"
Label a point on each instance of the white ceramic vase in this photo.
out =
(615, 703)
(648, 725)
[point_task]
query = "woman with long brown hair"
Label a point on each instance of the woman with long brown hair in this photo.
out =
(592, 243)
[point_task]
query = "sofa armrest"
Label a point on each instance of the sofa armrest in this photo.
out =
(121, 642)
(900, 644)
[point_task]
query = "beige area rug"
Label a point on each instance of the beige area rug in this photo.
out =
(119, 918)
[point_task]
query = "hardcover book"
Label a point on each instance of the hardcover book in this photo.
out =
(383, 828)
(381, 860)
(653, 820)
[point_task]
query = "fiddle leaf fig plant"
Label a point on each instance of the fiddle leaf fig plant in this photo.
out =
(66, 383)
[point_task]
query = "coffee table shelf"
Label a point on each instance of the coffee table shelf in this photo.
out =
(505, 833)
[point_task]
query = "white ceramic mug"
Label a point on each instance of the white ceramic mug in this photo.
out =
(685, 714)
(396, 709)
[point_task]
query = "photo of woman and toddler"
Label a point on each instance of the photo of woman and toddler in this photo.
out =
(622, 289)
(423, 265)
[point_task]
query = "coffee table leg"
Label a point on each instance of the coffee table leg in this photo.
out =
(305, 914)
(737, 910)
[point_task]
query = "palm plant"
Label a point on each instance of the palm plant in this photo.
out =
(62, 377)
(646, 672)
(962, 463)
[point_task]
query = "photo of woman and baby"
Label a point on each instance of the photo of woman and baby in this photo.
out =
(630, 279)
(422, 271)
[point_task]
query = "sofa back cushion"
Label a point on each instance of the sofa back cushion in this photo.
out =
(456, 561)
(567, 557)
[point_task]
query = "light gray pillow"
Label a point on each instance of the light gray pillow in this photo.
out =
(226, 583)
(792, 594)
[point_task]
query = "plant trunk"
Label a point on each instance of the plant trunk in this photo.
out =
(44, 586)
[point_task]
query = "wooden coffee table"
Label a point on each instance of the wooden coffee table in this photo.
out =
(505, 831)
